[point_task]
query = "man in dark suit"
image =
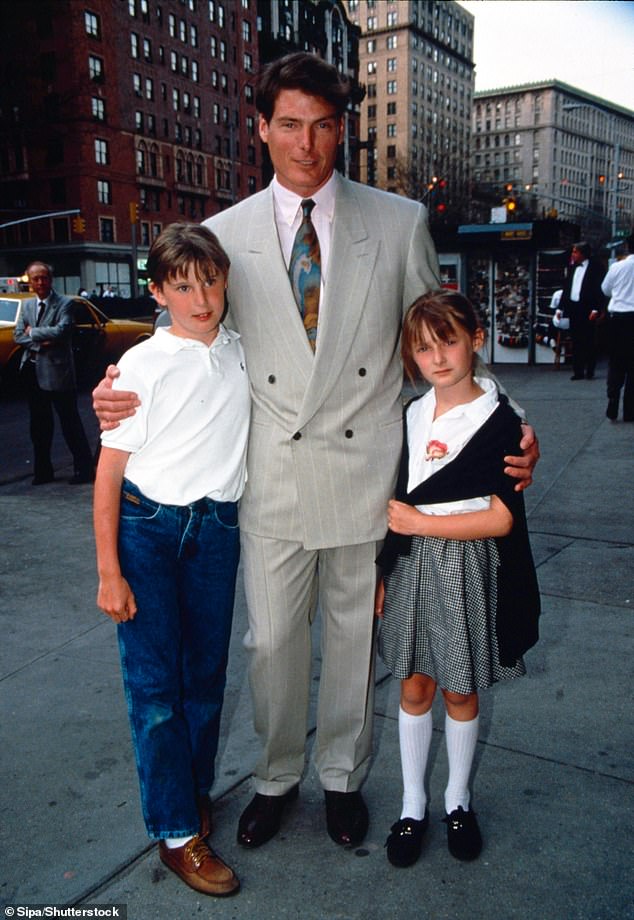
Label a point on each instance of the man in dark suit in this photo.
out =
(583, 302)
(44, 328)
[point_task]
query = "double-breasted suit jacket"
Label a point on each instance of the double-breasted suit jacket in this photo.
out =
(49, 342)
(326, 427)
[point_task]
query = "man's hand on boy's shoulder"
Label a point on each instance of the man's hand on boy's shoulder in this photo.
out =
(521, 468)
(112, 406)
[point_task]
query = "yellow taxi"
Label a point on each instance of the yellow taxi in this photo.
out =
(97, 339)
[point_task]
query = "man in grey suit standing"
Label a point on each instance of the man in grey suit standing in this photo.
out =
(44, 328)
(325, 435)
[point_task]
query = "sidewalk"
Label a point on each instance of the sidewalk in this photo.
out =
(553, 785)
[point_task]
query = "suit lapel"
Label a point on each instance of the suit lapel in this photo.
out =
(273, 285)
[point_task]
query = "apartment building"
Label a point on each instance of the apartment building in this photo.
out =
(556, 151)
(133, 113)
(416, 59)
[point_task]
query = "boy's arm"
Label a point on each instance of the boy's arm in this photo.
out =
(114, 595)
(112, 406)
(496, 521)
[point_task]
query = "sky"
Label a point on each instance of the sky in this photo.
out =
(586, 43)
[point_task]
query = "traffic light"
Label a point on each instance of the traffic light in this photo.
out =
(511, 204)
(601, 180)
(134, 212)
(79, 224)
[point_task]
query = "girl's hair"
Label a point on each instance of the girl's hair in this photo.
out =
(182, 245)
(443, 313)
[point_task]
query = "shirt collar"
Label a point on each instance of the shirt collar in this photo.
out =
(174, 343)
(287, 202)
(476, 410)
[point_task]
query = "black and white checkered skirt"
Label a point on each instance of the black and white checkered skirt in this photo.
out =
(439, 615)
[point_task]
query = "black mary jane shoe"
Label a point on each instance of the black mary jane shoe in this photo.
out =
(463, 834)
(405, 841)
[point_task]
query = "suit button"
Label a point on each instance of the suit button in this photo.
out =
(349, 433)
(362, 372)
(297, 436)
(271, 378)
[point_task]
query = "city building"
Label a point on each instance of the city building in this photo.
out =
(118, 117)
(548, 149)
(416, 58)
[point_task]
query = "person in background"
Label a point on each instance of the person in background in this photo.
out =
(47, 370)
(323, 270)
(583, 302)
(618, 285)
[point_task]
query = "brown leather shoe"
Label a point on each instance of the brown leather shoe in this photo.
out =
(200, 868)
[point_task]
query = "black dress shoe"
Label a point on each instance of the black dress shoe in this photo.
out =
(613, 409)
(260, 820)
(80, 478)
(577, 377)
(405, 841)
(463, 834)
(41, 480)
(346, 817)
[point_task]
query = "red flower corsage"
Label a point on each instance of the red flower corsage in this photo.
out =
(436, 450)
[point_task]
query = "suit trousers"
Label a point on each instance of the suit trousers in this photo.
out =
(285, 584)
(41, 405)
(621, 361)
(583, 336)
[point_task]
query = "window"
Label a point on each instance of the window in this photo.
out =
(104, 192)
(182, 31)
(173, 62)
(98, 109)
(101, 152)
(371, 23)
(248, 62)
(134, 45)
(371, 66)
(371, 45)
(176, 100)
(391, 108)
(194, 68)
(391, 42)
(147, 50)
(392, 19)
(371, 111)
(92, 24)
(95, 69)
(171, 25)
(246, 31)
(138, 121)
(106, 229)
(136, 83)
(193, 36)
(391, 130)
(149, 88)
(391, 65)
(223, 51)
(391, 150)
(391, 87)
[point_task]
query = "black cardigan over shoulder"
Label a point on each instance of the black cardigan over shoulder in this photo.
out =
(479, 470)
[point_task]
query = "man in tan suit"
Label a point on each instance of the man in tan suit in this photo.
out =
(325, 437)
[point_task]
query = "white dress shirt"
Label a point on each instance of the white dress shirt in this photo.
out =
(453, 429)
(619, 285)
(577, 280)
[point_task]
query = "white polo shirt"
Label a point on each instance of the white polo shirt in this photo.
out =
(451, 431)
(188, 438)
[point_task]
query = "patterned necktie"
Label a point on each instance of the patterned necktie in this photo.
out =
(305, 271)
(42, 307)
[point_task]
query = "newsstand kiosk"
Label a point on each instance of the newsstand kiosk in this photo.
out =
(510, 272)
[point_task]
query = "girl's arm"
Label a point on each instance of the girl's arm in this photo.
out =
(114, 595)
(496, 521)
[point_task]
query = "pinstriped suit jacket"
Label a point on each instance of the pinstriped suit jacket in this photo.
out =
(54, 364)
(326, 427)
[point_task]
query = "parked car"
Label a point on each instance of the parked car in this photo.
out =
(97, 339)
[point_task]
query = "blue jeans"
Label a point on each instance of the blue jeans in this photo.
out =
(181, 563)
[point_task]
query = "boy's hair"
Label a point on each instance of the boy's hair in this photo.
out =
(443, 312)
(182, 245)
(306, 72)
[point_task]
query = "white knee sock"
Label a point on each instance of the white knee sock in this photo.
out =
(461, 738)
(414, 733)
